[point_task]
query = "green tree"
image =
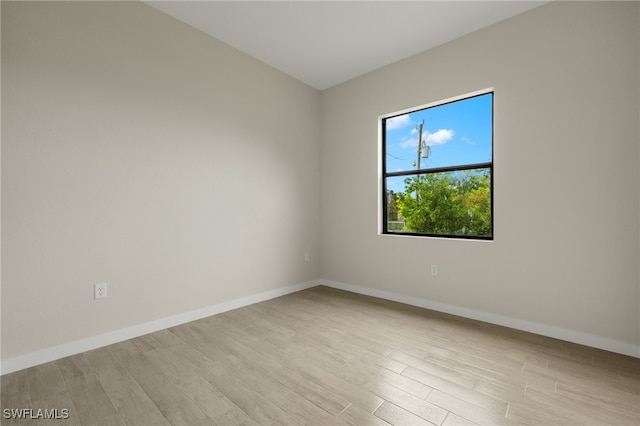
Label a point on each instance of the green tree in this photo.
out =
(392, 207)
(451, 203)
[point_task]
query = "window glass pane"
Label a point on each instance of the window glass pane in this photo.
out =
(453, 134)
(395, 186)
(445, 203)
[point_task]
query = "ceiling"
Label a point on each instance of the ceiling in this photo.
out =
(324, 43)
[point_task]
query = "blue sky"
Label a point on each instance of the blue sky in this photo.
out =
(457, 133)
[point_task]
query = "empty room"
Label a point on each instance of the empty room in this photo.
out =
(320, 213)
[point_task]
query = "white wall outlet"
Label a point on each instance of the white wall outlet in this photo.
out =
(100, 291)
(434, 269)
(307, 257)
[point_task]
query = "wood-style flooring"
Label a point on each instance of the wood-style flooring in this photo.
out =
(328, 357)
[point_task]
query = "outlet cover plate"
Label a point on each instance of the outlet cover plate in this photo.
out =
(100, 291)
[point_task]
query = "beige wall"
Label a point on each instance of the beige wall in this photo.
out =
(565, 253)
(140, 152)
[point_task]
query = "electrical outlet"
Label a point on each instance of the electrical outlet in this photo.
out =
(434, 269)
(100, 291)
(307, 257)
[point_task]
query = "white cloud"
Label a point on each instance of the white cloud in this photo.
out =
(469, 141)
(398, 122)
(439, 137)
(409, 143)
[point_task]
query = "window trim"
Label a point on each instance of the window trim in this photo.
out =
(382, 202)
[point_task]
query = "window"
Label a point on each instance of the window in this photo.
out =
(437, 165)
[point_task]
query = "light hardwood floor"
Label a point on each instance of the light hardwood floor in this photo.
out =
(328, 357)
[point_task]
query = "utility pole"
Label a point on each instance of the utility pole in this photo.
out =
(418, 162)
(419, 144)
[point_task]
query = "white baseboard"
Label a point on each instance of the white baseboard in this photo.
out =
(56, 352)
(532, 327)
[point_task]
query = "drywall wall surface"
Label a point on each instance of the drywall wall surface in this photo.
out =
(566, 172)
(0, 187)
(638, 100)
(140, 152)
